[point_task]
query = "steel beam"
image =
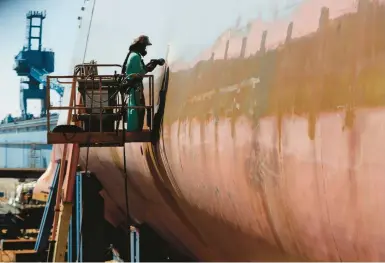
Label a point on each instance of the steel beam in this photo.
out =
(21, 173)
(17, 244)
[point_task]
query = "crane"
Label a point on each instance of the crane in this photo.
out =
(34, 63)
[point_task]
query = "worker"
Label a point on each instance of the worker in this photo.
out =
(135, 69)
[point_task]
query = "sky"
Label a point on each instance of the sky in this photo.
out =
(61, 28)
(59, 33)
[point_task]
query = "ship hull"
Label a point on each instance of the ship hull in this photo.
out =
(268, 151)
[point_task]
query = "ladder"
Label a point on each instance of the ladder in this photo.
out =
(93, 116)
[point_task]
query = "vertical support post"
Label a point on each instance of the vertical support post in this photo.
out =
(70, 243)
(46, 223)
(73, 233)
(262, 48)
(152, 103)
(100, 105)
(135, 244)
(30, 34)
(289, 32)
(66, 205)
(132, 245)
(40, 33)
(6, 155)
(71, 173)
(227, 50)
(59, 190)
(48, 103)
(62, 233)
(243, 47)
(79, 211)
(149, 111)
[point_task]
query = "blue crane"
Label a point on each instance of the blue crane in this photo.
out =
(33, 64)
(41, 76)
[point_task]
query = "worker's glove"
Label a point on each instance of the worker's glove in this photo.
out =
(157, 62)
(161, 61)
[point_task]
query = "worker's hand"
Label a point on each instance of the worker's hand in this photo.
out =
(157, 62)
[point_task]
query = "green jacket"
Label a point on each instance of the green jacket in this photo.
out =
(135, 64)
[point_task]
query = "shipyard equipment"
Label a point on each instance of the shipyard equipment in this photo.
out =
(96, 117)
(22, 138)
(33, 64)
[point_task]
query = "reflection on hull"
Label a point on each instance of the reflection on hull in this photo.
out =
(267, 152)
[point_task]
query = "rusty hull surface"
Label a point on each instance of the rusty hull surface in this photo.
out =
(270, 150)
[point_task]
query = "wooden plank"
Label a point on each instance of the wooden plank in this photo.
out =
(63, 227)
(97, 137)
(17, 244)
(27, 256)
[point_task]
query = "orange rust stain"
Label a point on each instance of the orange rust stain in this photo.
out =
(342, 64)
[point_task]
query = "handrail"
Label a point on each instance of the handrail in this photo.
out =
(97, 65)
(76, 107)
(98, 108)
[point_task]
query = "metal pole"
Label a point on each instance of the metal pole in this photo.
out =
(100, 104)
(79, 210)
(152, 103)
(48, 104)
(69, 246)
(132, 240)
(137, 246)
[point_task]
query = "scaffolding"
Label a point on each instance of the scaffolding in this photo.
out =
(97, 114)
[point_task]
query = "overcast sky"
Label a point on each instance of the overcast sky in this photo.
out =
(59, 31)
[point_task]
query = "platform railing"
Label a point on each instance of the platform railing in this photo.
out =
(77, 103)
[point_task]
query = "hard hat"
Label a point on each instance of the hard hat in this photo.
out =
(142, 40)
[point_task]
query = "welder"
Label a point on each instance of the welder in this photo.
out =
(134, 69)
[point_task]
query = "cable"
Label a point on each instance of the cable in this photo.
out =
(124, 113)
(124, 100)
(89, 31)
(84, 57)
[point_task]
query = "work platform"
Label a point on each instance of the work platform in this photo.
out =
(103, 111)
(100, 106)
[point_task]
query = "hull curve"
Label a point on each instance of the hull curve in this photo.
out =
(271, 142)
